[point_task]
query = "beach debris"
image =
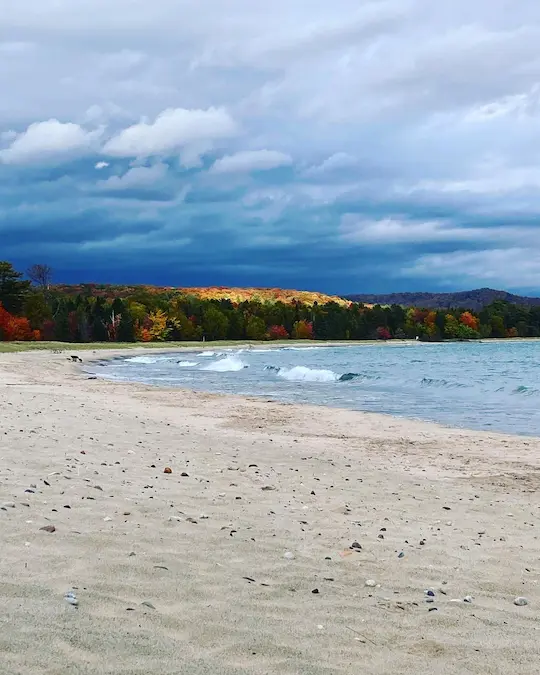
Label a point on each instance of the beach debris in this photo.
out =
(429, 593)
(521, 602)
(315, 591)
(251, 581)
(371, 583)
(48, 528)
(71, 598)
(184, 474)
(432, 609)
(468, 598)
(266, 488)
(401, 554)
(161, 567)
(355, 546)
(289, 555)
(167, 469)
(148, 604)
(107, 519)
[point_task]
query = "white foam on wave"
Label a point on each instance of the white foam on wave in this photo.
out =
(303, 374)
(187, 364)
(206, 354)
(229, 364)
(145, 359)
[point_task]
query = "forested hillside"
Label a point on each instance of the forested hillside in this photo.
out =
(33, 308)
(474, 300)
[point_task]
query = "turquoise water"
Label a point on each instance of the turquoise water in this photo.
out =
(477, 385)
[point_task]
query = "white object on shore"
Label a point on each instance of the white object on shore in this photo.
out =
(71, 598)
(521, 602)
(289, 555)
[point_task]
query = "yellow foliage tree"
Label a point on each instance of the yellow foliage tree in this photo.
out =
(158, 330)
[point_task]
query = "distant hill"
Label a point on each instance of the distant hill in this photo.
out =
(237, 295)
(474, 300)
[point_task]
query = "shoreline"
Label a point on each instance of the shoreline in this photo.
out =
(207, 551)
(112, 355)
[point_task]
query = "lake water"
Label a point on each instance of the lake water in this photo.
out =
(478, 385)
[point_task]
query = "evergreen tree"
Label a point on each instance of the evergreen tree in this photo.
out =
(13, 291)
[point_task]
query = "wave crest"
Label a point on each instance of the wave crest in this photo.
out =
(229, 364)
(304, 374)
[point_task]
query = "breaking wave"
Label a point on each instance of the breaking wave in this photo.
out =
(148, 359)
(229, 364)
(304, 374)
(187, 364)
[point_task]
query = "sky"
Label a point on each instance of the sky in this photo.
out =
(342, 146)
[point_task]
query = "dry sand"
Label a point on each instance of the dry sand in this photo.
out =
(207, 549)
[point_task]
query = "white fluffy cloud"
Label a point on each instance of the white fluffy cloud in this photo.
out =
(46, 140)
(172, 130)
(251, 160)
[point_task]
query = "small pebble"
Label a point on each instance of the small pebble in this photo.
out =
(289, 555)
(401, 555)
(71, 598)
(315, 591)
(371, 583)
(521, 602)
(48, 528)
(147, 604)
(468, 598)
(167, 469)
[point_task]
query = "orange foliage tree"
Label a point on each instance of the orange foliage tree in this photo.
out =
(467, 319)
(303, 330)
(16, 327)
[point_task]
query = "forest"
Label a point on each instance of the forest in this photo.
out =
(33, 308)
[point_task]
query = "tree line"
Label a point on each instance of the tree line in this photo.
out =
(32, 308)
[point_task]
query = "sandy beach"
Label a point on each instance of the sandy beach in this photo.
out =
(253, 553)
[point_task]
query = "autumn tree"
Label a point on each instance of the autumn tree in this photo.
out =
(303, 330)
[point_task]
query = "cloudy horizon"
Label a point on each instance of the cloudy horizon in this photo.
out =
(343, 147)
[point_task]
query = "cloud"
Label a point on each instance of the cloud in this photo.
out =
(513, 268)
(172, 130)
(336, 162)
(251, 160)
(136, 177)
(398, 230)
(48, 140)
(101, 165)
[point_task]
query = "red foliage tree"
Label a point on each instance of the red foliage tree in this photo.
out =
(383, 333)
(15, 327)
(278, 333)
